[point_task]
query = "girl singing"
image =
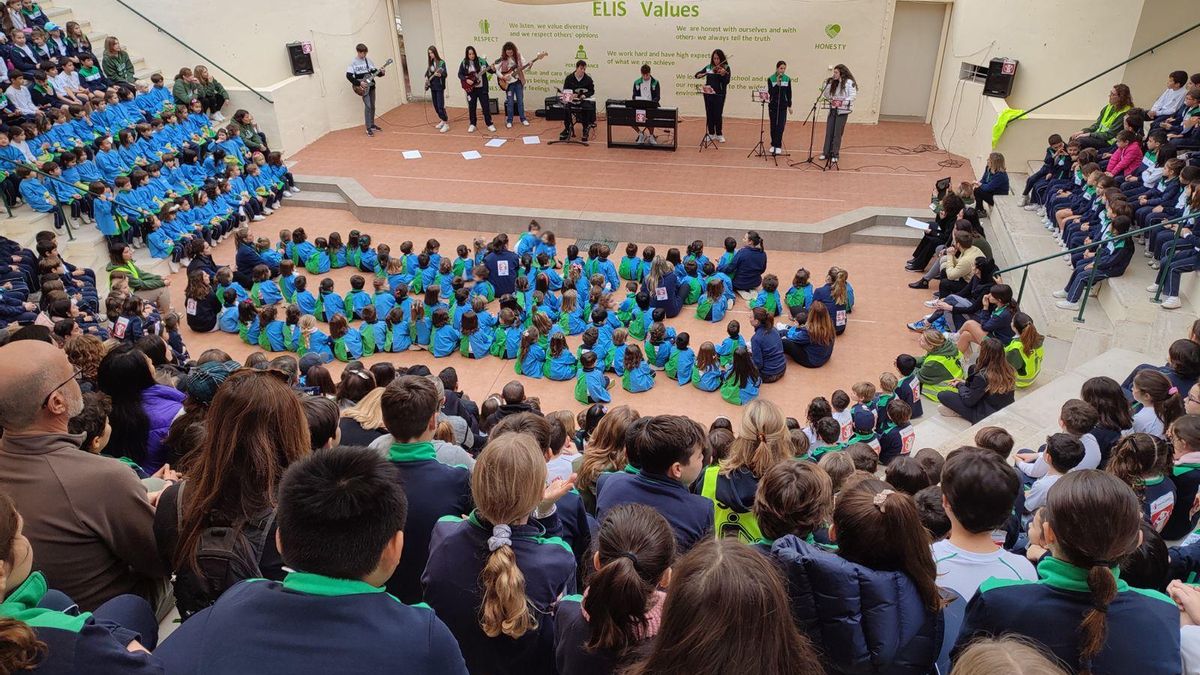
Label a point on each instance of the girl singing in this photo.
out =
(779, 86)
(841, 90)
(716, 81)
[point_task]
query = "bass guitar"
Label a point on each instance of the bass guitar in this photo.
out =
(362, 86)
(507, 77)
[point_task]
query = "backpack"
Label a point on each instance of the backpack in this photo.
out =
(224, 556)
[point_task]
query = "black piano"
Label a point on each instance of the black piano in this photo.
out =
(636, 117)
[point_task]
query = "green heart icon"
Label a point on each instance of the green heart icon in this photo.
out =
(832, 30)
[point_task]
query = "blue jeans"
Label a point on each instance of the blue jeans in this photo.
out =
(439, 103)
(514, 97)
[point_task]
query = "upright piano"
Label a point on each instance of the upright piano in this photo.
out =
(633, 118)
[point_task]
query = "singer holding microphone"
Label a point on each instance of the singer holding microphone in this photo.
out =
(779, 86)
(840, 90)
(716, 82)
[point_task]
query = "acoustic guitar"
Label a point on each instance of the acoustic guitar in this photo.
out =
(507, 77)
(364, 85)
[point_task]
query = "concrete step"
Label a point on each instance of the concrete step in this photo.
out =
(320, 200)
(893, 235)
(59, 15)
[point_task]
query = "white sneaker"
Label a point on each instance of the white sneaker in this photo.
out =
(1147, 253)
(1154, 265)
(1063, 304)
(1171, 302)
(821, 157)
(834, 160)
(1059, 294)
(640, 139)
(1031, 207)
(1024, 201)
(445, 127)
(1152, 288)
(471, 129)
(931, 303)
(258, 218)
(773, 148)
(720, 138)
(287, 193)
(508, 125)
(267, 211)
(492, 127)
(525, 122)
(218, 117)
(295, 188)
(652, 140)
(1041, 211)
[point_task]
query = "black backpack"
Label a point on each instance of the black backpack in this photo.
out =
(224, 556)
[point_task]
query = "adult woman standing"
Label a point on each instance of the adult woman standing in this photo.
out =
(117, 65)
(990, 386)
(144, 284)
(662, 286)
(200, 303)
(141, 409)
(231, 482)
(716, 82)
(766, 347)
(748, 264)
(211, 93)
(841, 90)
(435, 82)
(1100, 134)
(186, 87)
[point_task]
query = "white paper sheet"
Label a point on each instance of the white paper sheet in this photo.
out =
(917, 224)
(412, 154)
(531, 140)
(472, 154)
(496, 142)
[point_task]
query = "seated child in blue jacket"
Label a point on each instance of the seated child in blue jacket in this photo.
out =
(638, 376)
(592, 385)
(682, 359)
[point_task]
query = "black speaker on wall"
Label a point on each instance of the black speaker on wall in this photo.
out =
(1000, 75)
(301, 61)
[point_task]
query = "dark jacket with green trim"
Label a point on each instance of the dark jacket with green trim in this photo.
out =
(457, 554)
(74, 643)
(433, 490)
(310, 623)
(1142, 625)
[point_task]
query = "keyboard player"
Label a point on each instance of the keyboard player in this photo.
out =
(646, 88)
(583, 108)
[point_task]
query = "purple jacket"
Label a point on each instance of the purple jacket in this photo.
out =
(161, 404)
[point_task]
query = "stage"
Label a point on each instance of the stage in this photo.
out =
(616, 193)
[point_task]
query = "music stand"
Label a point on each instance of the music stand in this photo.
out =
(707, 141)
(812, 134)
(757, 96)
(570, 108)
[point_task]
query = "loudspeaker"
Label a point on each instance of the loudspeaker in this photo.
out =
(493, 106)
(301, 60)
(999, 82)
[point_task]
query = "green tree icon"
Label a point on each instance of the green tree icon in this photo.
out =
(484, 27)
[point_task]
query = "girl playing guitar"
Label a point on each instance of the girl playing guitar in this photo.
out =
(435, 82)
(473, 74)
(510, 70)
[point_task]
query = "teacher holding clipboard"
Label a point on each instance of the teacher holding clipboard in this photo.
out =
(840, 91)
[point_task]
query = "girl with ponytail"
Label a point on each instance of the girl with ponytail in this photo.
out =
(36, 637)
(838, 297)
(1025, 351)
(492, 576)
(1143, 462)
(622, 605)
(1161, 403)
(1090, 522)
(762, 442)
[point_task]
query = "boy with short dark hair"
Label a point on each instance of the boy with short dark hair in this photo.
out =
(1064, 452)
(410, 406)
(840, 401)
(668, 453)
(341, 517)
(792, 498)
(908, 387)
(995, 439)
(323, 419)
(897, 436)
(978, 492)
(1077, 418)
(592, 385)
(828, 431)
(92, 422)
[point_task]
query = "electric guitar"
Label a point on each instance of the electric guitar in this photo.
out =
(507, 77)
(364, 85)
(468, 82)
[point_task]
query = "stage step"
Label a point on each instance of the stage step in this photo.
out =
(890, 235)
(319, 200)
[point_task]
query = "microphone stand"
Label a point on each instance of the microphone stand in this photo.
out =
(812, 134)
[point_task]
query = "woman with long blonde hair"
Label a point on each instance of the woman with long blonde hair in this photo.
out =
(604, 452)
(362, 422)
(762, 442)
(211, 93)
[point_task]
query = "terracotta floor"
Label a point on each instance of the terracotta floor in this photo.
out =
(876, 333)
(879, 168)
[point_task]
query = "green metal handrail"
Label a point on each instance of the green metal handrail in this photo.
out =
(194, 51)
(1087, 291)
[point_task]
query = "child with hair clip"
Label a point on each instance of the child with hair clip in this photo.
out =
(399, 329)
(346, 340)
(879, 607)
(492, 574)
(768, 297)
(1185, 474)
(287, 279)
(712, 305)
(1161, 403)
(792, 498)
(303, 297)
(329, 304)
(373, 331)
(264, 291)
(247, 322)
(476, 339)
(631, 267)
(637, 376)
(227, 319)
(681, 361)
(762, 442)
(531, 356)
(592, 384)
(285, 246)
(443, 337)
(730, 344)
(799, 295)
(270, 329)
(622, 605)
(1143, 462)
(291, 328)
(560, 365)
(741, 381)
(1088, 617)
(357, 298)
